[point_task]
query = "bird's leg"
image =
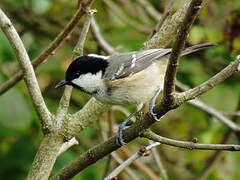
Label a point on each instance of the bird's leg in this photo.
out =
(122, 126)
(152, 104)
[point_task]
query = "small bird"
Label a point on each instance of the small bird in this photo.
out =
(123, 78)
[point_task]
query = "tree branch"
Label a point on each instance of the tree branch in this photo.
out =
(29, 75)
(169, 29)
(46, 156)
(119, 13)
(126, 163)
(78, 51)
(118, 159)
(51, 49)
(101, 41)
(233, 126)
(140, 165)
(105, 148)
(189, 145)
(93, 106)
(170, 76)
(53, 142)
(66, 145)
(157, 158)
(162, 19)
(150, 9)
(206, 86)
(89, 113)
(127, 169)
(198, 103)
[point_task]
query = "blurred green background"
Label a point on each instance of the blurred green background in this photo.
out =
(39, 21)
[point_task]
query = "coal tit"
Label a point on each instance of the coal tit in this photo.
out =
(123, 78)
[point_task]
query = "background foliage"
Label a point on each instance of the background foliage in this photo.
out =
(39, 21)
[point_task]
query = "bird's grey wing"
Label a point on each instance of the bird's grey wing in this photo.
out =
(125, 64)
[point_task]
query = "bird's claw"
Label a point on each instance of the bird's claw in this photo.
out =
(152, 104)
(153, 115)
(119, 138)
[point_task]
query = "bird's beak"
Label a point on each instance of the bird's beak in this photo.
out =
(61, 83)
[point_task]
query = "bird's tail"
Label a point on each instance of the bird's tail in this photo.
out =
(197, 47)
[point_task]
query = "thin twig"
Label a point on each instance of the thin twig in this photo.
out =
(211, 161)
(101, 41)
(127, 169)
(212, 82)
(142, 15)
(106, 135)
(78, 51)
(150, 9)
(51, 49)
(228, 113)
(133, 24)
(189, 145)
(198, 103)
(119, 160)
(162, 19)
(128, 6)
(233, 126)
(141, 166)
(157, 158)
(66, 145)
(28, 71)
(126, 163)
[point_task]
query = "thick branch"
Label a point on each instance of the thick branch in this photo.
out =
(169, 29)
(190, 145)
(170, 76)
(88, 114)
(26, 66)
(45, 158)
(82, 119)
(53, 143)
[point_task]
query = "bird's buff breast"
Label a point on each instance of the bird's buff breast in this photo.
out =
(139, 88)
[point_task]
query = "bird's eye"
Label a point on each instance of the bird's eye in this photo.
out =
(77, 74)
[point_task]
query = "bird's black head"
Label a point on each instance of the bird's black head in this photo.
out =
(84, 65)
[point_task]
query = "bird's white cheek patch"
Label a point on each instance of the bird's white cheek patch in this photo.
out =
(89, 82)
